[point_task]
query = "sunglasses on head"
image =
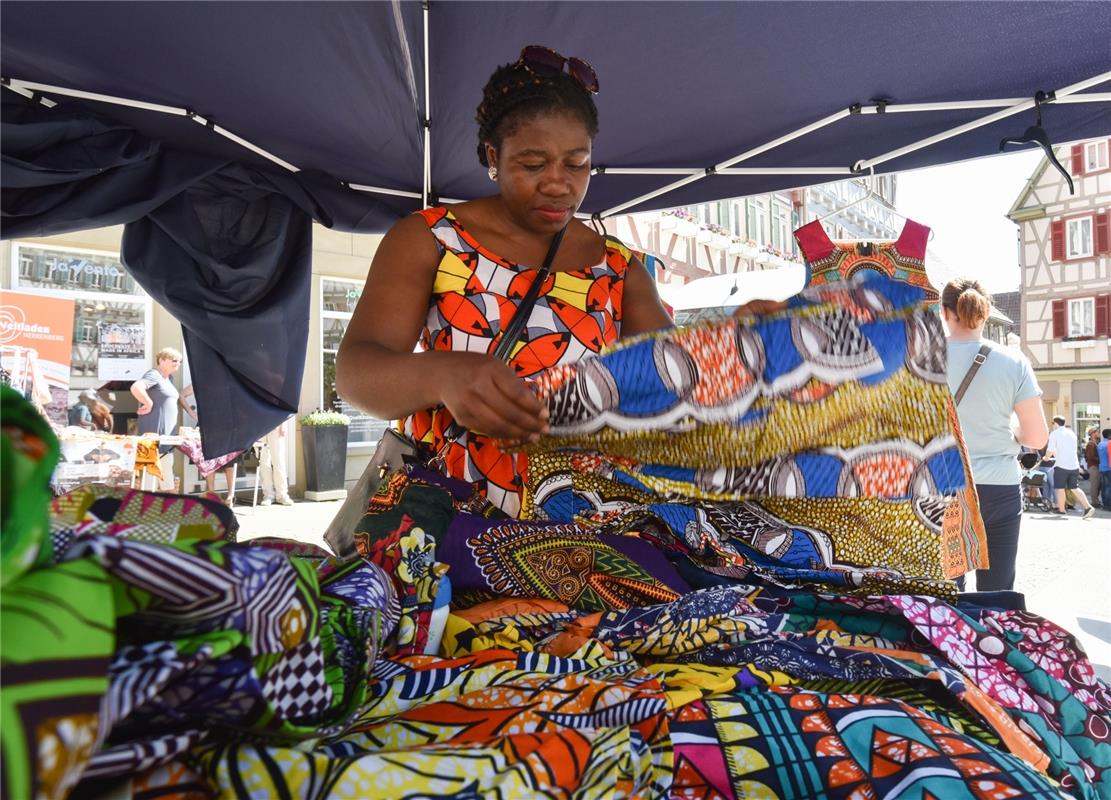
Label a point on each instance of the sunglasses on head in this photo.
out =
(542, 60)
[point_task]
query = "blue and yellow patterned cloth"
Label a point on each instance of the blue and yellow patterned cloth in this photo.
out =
(817, 443)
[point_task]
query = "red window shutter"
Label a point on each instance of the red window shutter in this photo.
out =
(1103, 315)
(1057, 243)
(1077, 160)
(1103, 233)
(1060, 323)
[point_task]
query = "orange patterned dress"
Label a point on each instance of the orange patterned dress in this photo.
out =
(474, 296)
(903, 260)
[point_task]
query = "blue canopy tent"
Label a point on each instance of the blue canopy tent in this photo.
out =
(216, 132)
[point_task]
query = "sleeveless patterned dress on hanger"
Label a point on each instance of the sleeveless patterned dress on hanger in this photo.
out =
(903, 260)
(474, 295)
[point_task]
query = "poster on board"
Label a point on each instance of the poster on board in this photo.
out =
(36, 349)
(94, 459)
(122, 351)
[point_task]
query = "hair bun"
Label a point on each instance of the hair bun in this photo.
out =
(515, 92)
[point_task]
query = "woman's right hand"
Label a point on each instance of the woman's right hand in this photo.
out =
(484, 395)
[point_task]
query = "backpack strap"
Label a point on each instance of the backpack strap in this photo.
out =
(977, 362)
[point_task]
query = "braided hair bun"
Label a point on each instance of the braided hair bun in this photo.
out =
(515, 94)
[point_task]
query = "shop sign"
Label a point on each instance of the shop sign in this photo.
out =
(36, 345)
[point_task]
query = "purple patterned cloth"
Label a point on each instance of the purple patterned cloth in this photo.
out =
(205, 466)
(562, 562)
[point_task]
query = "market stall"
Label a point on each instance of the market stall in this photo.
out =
(665, 621)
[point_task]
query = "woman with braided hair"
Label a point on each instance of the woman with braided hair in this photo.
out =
(451, 279)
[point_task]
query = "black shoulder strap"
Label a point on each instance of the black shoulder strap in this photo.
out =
(977, 362)
(513, 330)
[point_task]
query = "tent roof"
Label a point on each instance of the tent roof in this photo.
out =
(339, 87)
(338, 91)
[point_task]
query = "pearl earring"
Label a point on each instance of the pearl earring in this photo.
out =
(493, 173)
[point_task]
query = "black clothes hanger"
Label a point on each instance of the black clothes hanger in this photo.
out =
(1036, 133)
(598, 225)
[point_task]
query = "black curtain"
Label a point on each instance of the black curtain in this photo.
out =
(225, 247)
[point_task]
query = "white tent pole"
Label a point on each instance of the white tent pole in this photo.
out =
(31, 95)
(1087, 97)
(242, 142)
(729, 162)
(978, 123)
(901, 108)
(726, 171)
(18, 85)
(1069, 94)
(427, 116)
(100, 98)
(1004, 102)
(361, 187)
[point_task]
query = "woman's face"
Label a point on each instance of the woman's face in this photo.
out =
(168, 366)
(544, 170)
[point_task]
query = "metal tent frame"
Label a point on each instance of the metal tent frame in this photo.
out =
(1009, 106)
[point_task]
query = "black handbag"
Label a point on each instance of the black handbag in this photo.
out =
(395, 450)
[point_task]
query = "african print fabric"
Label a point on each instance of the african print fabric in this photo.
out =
(903, 260)
(475, 294)
(136, 633)
(789, 742)
(28, 453)
(561, 562)
(140, 647)
(494, 725)
(816, 444)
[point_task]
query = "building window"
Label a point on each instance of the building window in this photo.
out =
(1095, 156)
(1082, 317)
(338, 299)
(1079, 237)
(781, 225)
(101, 290)
(756, 219)
(1086, 415)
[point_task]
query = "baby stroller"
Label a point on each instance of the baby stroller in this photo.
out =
(1033, 482)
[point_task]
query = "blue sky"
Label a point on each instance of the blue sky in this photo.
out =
(966, 205)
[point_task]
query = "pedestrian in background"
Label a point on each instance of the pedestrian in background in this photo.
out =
(1091, 456)
(1066, 475)
(1103, 452)
(1045, 467)
(272, 471)
(158, 403)
(990, 384)
(81, 412)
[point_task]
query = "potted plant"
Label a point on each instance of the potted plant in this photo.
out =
(324, 435)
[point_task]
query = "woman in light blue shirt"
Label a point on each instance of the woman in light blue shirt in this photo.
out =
(1004, 385)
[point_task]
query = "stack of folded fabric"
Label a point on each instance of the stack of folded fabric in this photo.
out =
(815, 444)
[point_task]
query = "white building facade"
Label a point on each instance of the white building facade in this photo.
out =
(753, 234)
(1066, 282)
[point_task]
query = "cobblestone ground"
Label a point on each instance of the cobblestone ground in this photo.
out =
(1064, 564)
